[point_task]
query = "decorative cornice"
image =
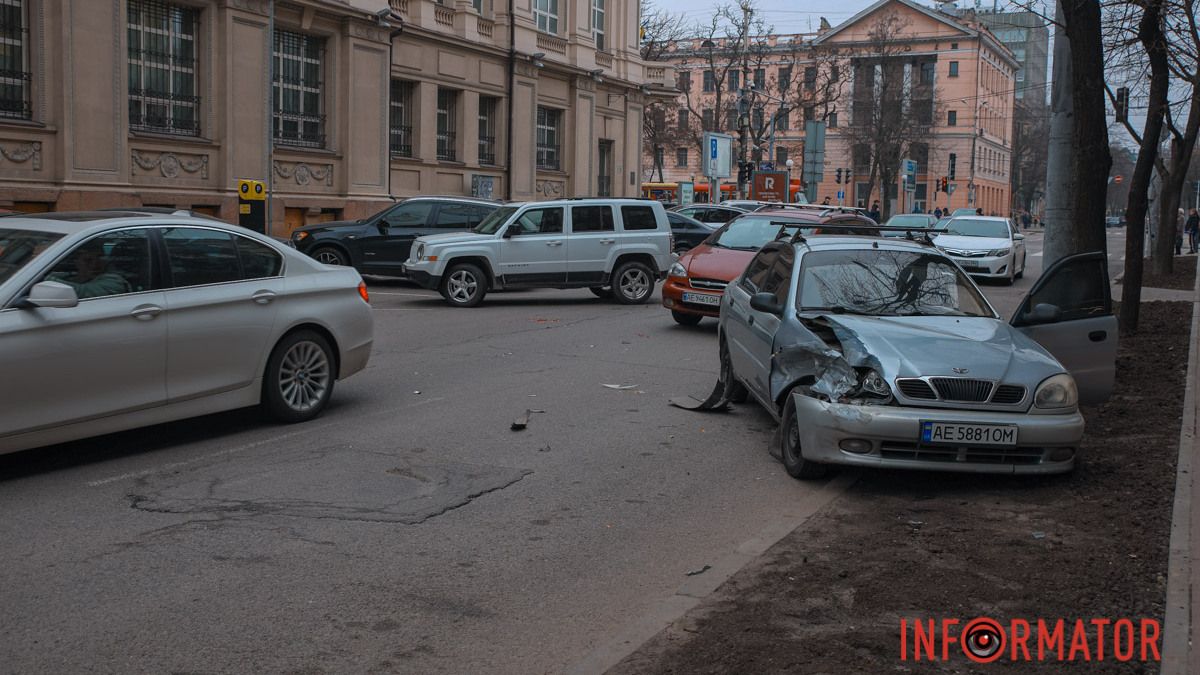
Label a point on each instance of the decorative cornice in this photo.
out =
(255, 6)
(171, 164)
(23, 152)
(355, 28)
(304, 173)
(526, 69)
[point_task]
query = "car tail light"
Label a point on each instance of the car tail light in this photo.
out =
(362, 291)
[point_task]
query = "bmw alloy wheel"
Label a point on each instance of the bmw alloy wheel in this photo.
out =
(304, 376)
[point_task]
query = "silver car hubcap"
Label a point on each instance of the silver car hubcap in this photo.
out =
(304, 376)
(461, 286)
(329, 258)
(635, 283)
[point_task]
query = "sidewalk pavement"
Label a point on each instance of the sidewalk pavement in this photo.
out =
(1181, 625)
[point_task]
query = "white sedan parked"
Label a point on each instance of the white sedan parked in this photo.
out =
(116, 320)
(984, 246)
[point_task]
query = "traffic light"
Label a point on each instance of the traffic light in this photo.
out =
(945, 184)
(953, 161)
(838, 177)
(745, 169)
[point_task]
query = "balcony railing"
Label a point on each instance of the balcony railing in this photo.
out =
(445, 146)
(551, 43)
(443, 15)
(604, 59)
(486, 28)
(487, 150)
(400, 6)
(401, 141)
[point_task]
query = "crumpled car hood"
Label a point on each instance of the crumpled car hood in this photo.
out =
(915, 346)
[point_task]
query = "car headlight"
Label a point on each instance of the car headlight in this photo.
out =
(677, 270)
(1058, 391)
(873, 383)
(418, 252)
(1000, 252)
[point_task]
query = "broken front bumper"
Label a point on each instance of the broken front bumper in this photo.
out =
(1045, 443)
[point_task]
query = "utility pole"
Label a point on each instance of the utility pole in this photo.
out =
(1060, 149)
(743, 100)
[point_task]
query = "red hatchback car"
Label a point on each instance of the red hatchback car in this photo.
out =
(695, 283)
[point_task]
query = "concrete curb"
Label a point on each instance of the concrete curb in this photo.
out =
(690, 594)
(1179, 633)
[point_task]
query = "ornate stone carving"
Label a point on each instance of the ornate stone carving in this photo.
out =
(585, 83)
(171, 164)
(549, 188)
(526, 69)
(365, 31)
(304, 173)
(22, 152)
(256, 6)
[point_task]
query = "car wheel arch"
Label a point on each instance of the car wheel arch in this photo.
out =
(479, 261)
(318, 329)
(781, 400)
(335, 245)
(642, 257)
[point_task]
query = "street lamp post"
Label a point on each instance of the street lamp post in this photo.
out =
(789, 164)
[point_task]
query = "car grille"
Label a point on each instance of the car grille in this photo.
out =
(963, 253)
(916, 389)
(961, 390)
(709, 284)
(1008, 394)
(974, 454)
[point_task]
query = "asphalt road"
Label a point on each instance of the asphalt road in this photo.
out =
(408, 529)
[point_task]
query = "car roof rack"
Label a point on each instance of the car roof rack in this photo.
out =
(821, 209)
(911, 233)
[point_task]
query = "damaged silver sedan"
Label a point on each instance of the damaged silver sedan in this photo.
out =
(883, 353)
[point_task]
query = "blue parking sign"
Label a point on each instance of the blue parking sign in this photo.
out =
(712, 148)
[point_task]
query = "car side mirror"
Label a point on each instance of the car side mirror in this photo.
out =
(1017, 236)
(765, 302)
(1044, 312)
(511, 230)
(51, 294)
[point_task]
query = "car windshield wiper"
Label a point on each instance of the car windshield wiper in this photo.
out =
(744, 248)
(838, 309)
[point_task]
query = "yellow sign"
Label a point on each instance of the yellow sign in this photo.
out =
(244, 208)
(252, 190)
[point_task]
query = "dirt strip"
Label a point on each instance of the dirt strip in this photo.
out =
(829, 598)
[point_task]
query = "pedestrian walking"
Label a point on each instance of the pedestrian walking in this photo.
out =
(1026, 220)
(979, 211)
(937, 213)
(1192, 227)
(874, 212)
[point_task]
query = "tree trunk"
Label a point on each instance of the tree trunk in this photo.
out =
(1056, 218)
(1091, 161)
(1151, 37)
(1173, 182)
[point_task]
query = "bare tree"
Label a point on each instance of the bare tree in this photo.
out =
(892, 106)
(660, 125)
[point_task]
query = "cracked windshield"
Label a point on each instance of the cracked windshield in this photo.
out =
(886, 283)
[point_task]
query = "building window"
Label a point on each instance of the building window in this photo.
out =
(681, 158)
(478, 5)
(707, 119)
(162, 67)
(785, 78)
(14, 61)
(954, 69)
(783, 120)
(545, 12)
(760, 78)
(756, 155)
(549, 122)
(488, 105)
(832, 120)
(710, 81)
(928, 72)
(731, 118)
(953, 45)
(681, 120)
(598, 24)
(447, 119)
(810, 77)
(781, 157)
(734, 80)
(685, 81)
(952, 118)
(810, 113)
(759, 121)
(297, 89)
(401, 118)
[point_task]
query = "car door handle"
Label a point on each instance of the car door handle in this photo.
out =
(554, 243)
(145, 312)
(608, 241)
(1098, 335)
(263, 297)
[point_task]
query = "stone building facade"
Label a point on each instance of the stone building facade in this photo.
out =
(969, 73)
(339, 105)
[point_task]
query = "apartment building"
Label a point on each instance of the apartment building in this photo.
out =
(953, 70)
(339, 105)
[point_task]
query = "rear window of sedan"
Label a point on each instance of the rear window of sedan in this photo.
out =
(750, 233)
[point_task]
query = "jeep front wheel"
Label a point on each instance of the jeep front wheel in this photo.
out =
(633, 282)
(464, 285)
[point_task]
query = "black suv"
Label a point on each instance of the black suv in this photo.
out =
(380, 243)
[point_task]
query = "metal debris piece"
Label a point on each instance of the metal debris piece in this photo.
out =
(523, 421)
(620, 386)
(718, 400)
(702, 570)
(1039, 535)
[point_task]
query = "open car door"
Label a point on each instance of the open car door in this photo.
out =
(1069, 312)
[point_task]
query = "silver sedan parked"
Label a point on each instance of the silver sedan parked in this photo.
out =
(882, 353)
(111, 321)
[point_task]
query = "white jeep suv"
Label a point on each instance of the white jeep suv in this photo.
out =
(615, 247)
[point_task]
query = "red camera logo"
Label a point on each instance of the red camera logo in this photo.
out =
(984, 640)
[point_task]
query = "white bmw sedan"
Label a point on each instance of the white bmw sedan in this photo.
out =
(116, 320)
